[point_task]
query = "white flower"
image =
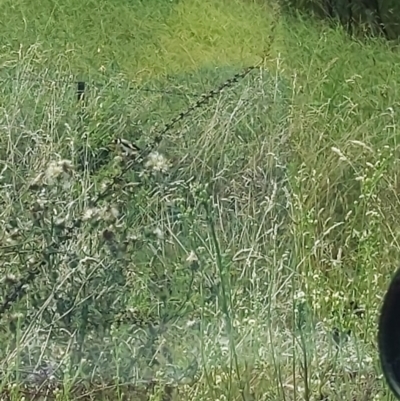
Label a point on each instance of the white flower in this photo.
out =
(90, 214)
(299, 296)
(56, 169)
(158, 233)
(192, 257)
(53, 171)
(157, 162)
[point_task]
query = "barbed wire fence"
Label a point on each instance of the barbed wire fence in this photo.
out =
(82, 86)
(17, 289)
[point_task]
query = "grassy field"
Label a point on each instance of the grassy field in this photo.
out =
(244, 258)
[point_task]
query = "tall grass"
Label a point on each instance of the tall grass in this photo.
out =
(247, 257)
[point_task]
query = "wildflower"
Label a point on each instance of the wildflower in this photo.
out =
(57, 169)
(192, 257)
(54, 170)
(300, 295)
(191, 323)
(193, 260)
(38, 208)
(157, 162)
(104, 185)
(90, 213)
(118, 159)
(109, 214)
(9, 279)
(158, 233)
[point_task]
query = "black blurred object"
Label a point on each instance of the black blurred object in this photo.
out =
(81, 91)
(389, 335)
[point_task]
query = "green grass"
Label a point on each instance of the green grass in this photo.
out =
(284, 187)
(141, 39)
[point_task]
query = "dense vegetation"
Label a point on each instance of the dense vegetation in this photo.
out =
(244, 257)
